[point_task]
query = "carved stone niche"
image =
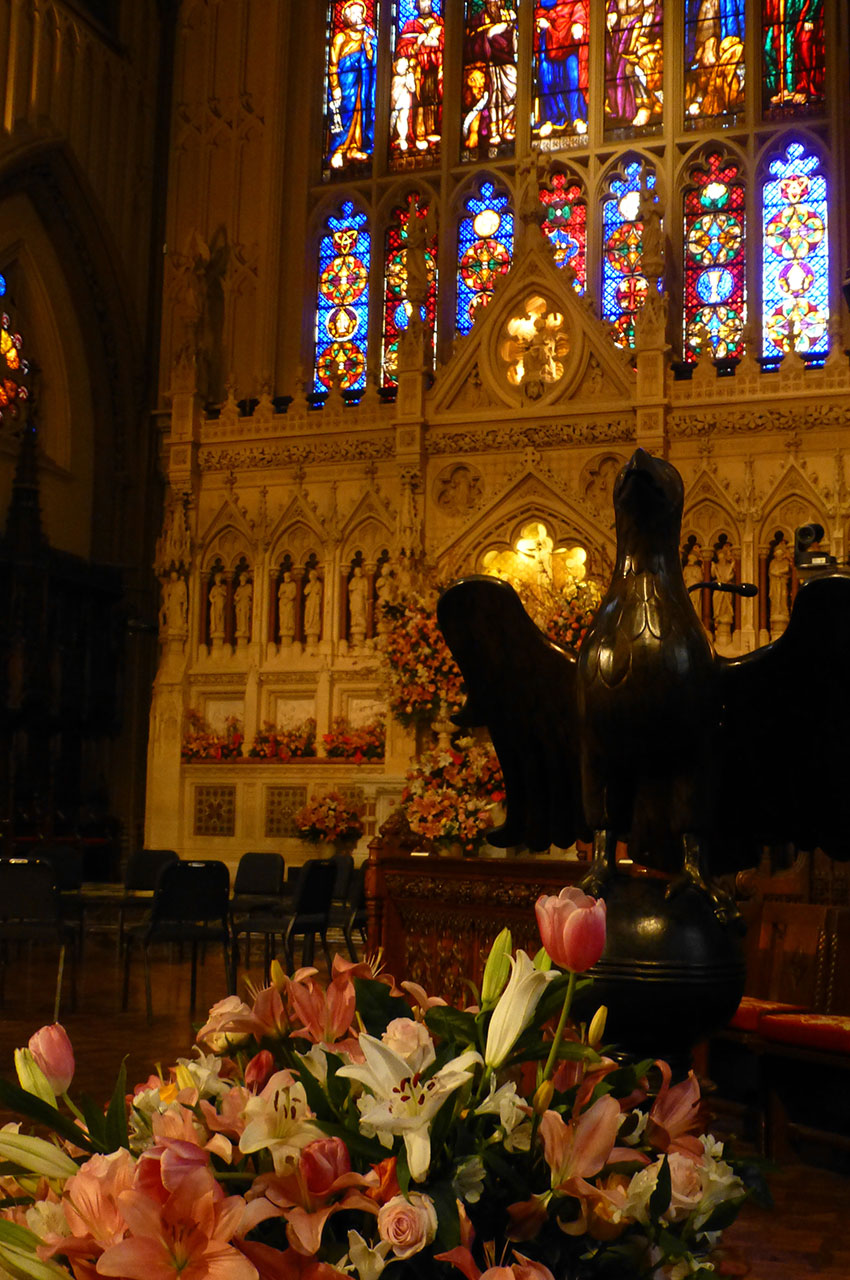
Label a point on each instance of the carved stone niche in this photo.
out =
(533, 349)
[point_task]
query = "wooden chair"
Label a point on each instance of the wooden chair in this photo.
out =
(30, 911)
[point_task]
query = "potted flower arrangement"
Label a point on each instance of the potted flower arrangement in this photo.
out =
(450, 793)
(571, 613)
(200, 742)
(332, 817)
(348, 1130)
(420, 670)
(272, 743)
(344, 742)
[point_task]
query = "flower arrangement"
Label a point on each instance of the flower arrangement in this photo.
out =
(571, 613)
(330, 817)
(339, 1131)
(273, 743)
(450, 792)
(344, 742)
(200, 742)
(421, 671)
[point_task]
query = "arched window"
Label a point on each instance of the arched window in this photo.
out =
(352, 57)
(488, 99)
(397, 307)
(13, 368)
(794, 58)
(623, 284)
(559, 72)
(795, 263)
(566, 225)
(714, 61)
(342, 306)
(485, 244)
(715, 256)
(633, 66)
(416, 87)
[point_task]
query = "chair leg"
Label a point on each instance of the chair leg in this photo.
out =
(324, 936)
(229, 971)
(148, 997)
(308, 949)
(193, 990)
(128, 951)
(349, 942)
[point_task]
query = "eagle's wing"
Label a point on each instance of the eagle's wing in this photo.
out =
(522, 687)
(785, 732)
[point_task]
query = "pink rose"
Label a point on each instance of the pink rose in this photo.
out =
(685, 1186)
(408, 1223)
(572, 928)
(411, 1041)
(52, 1051)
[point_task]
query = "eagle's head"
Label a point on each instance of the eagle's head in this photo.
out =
(648, 500)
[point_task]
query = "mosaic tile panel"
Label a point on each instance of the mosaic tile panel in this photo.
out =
(282, 803)
(215, 811)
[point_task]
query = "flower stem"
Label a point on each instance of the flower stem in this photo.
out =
(548, 1070)
(76, 1110)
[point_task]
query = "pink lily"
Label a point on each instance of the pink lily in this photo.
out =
(522, 1269)
(675, 1115)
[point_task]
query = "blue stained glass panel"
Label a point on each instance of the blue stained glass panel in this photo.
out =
(485, 248)
(559, 71)
(623, 283)
(342, 304)
(795, 256)
(352, 60)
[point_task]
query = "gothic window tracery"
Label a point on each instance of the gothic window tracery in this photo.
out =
(714, 258)
(485, 247)
(397, 305)
(342, 307)
(623, 283)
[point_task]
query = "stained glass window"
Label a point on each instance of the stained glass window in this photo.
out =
(714, 60)
(633, 64)
(795, 261)
(397, 305)
(794, 57)
(559, 73)
(13, 368)
(342, 309)
(488, 106)
(566, 224)
(715, 253)
(623, 283)
(352, 57)
(485, 245)
(416, 85)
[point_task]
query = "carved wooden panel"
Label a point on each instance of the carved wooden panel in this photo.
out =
(215, 811)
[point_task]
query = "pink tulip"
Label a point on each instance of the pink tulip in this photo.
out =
(52, 1051)
(258, 1070)
(572, 928)
(322, 1163)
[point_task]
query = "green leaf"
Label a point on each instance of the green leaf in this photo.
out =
(20, 1237)
(22, 1262)
(724, 1215)
(659, 1201)
(13, 1098)
(95, 1122)
(402, 1171)
(672, 1246)
(117, 1133)
(36, 1155)
(376, 1006)
(452, 1024)
(448, 1219)
(316, 1097)
(339, 1087)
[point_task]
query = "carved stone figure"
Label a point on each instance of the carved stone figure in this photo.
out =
(692, 572)
(286, 594)
(779, 574)
(218, 607)
(243, 599)
(722, 602)
(358, 589)
(313, 607)
(174, 612)
(458, 489)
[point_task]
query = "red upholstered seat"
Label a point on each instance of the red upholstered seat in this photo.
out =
(830, 1031)
(751, 1010)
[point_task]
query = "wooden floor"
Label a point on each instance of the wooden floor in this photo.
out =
(804, 1235)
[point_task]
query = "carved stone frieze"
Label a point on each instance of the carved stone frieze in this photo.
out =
(485, 439)
(259, 457)
(806, 417)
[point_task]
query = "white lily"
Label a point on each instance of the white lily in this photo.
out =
(279, 1121)
(515, 1009)
(400, 1104)
(368, 1260)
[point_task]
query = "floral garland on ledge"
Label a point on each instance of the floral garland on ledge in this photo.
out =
(450, 792)
(273, 743)
(359, 1128)
(330, 817)
(420, 670)
(200, 742)
(366, 742)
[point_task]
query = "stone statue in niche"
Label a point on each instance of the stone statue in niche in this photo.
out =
(313, 591)
(722, 602)
(386, 592)
(779, 574)
(358, 589)
(692, 571)
(243, 600)
(174, 611)
(286, 594)
(218, 607)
